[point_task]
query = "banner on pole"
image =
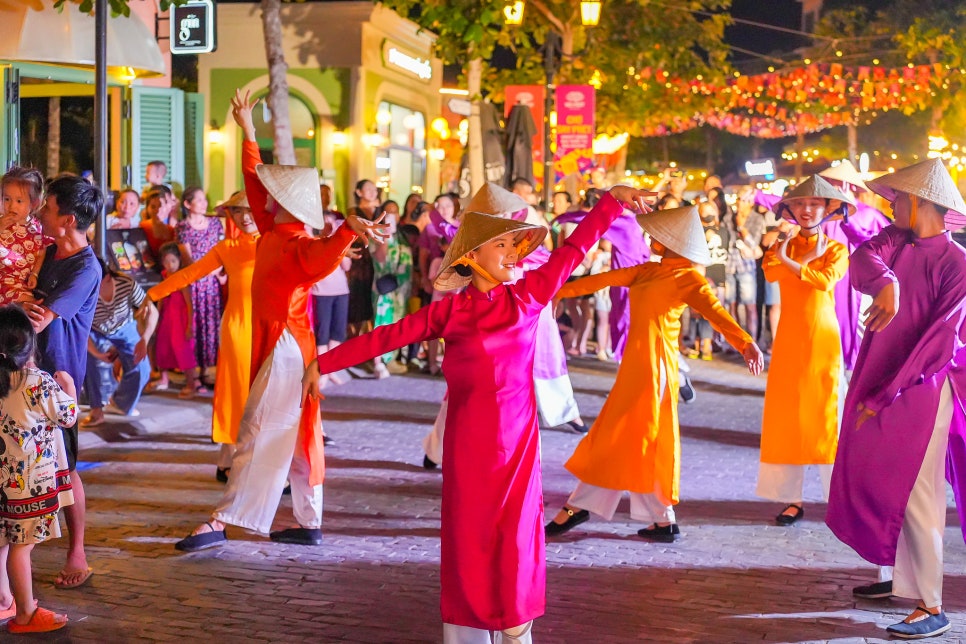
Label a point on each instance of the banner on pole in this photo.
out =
(575, 130)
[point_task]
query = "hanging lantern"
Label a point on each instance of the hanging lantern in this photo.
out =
(590, 12)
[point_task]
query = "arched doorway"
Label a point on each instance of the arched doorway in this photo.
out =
(304, 131)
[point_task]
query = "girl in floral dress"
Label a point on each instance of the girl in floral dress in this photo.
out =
(21, 240)
(34, 481)
(393, 258)
(199, 233)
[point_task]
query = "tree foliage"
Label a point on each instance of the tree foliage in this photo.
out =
(684, 39)
(118, 7)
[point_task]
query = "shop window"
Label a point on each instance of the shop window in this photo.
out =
(401, 157)
(304, 130)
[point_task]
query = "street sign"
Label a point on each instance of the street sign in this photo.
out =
(193, 27)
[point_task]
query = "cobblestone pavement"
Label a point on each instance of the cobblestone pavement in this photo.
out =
(733, 577)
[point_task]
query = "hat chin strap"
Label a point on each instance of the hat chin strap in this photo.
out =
(466, 261)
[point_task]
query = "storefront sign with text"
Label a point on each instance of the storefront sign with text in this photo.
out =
(575, 130)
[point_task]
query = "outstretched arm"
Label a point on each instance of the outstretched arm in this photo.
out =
(208, 263)
(540, 285)
(697, 293)
(593, 283)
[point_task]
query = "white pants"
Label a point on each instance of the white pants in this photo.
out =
(225, 454)
(785, 483)
(266, 453)
(649, 508)
(433, 441)
(555, 400)
(918, 573)
(453, 634)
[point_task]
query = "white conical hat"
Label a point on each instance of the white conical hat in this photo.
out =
(815, 187)
(237, 200)
(495, 200)
(296, 189)
(846, 173)
(475, 230)
(680, 230)
(928, 180)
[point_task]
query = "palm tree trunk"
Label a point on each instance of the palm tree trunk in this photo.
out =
(53, 136)
(474, 78)
(277, 81)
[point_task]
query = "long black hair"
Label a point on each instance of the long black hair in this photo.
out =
(18, 344)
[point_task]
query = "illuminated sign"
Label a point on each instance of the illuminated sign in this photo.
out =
(193, 27)
(395, 58)
(760, 168)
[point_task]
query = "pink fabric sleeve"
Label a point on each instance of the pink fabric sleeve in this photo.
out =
(425, 324)
(539, 285)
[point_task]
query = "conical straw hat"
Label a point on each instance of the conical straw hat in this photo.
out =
(680, 230)
(492, 199)
(846, 173)
(237, 200)
(296, 189)
(815, 187)
(928, 180)
(475, 230)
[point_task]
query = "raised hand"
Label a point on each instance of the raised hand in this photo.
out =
(375, 230)
(241, 111)
(633, 196)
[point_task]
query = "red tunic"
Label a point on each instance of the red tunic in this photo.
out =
(288, 262)
(493, 568)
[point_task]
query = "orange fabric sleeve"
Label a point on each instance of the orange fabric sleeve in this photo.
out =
(825, 273)
(593, 283)
(319, 256)
(208, 263)
(254, 190)
(697, 293)
(772, 266)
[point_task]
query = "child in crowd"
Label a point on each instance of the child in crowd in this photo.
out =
(802, 398)
(33, 467)
(635, 443)
(175, 344)
(493, 570)
(21, 239)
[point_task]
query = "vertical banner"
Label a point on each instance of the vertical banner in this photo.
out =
(575, 130)
(533, 97)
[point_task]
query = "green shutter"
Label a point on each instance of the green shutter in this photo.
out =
(157, 133)
(194, 131)
(9, 117)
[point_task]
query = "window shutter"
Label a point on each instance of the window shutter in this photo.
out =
(157, 133)
(194, 131)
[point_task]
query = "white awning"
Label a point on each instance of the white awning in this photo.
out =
(35, 32)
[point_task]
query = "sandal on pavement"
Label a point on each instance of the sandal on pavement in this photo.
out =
(79, 577)
(660, 533)
(91, 420)
(788, 519)
(156, 385)
(928, 626)
(42, 621)
(574, 519)
(879, 590)
(195, 542)
(186, 394)
(298, 536)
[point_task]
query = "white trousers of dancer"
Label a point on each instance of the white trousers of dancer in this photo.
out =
(266, 454)
(555, 400)
(786, 483)
(649, 508)
(453, 634)
(918, 573)
(225, 454)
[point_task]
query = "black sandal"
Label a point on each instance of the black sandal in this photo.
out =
(788, 519)
(574, 519)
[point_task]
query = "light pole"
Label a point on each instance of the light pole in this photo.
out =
(551, 62)
(553, 52)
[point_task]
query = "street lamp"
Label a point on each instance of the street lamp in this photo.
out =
(552, 51)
